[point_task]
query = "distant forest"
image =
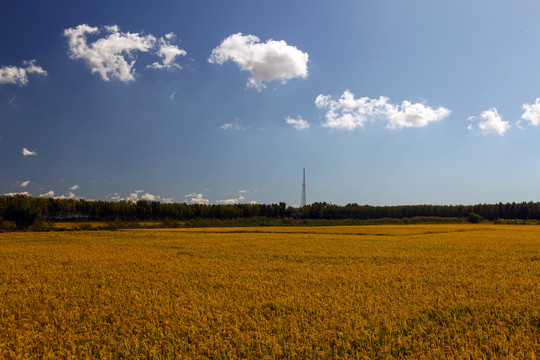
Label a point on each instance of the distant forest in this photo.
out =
(25, 210)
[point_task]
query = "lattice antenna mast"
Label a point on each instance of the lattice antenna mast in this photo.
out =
(303, 201)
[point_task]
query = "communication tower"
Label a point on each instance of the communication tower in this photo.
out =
(303, 201)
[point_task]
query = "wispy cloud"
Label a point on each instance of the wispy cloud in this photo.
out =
(268, 61)
(489, 122)
(348, 113)
(27, 152)
(19, 75)
(298, 123)
(113, 55)
(24, 183)
(74, 187)
(235, 125)
(13, 101)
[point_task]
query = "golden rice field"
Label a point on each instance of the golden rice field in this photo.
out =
(369, 292)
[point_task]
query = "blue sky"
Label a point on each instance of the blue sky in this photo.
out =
(383, 102)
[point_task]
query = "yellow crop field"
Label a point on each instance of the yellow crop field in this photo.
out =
(420, 291)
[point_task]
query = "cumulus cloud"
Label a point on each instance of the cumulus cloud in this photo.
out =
(69, 195)
(25, 193)
(25, 183)
(147, 196)
(19, 75)
(49, 193)
(135, 196)
(74, 187)
(348, 113)
(237, 200)
(113, 56)
(268, 61)
(27, 152)
(197, 199)
(532, 112)
(489, 122)
(298, 123)
(169, 53)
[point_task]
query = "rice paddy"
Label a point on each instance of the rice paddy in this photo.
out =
(419, 291)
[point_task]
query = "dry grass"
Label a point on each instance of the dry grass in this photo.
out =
(434, 291)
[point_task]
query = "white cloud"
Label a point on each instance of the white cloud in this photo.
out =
(69, 195)
(113, 197)
(532, 113)
(113, 56)
(49, 193)
(172, 95)
(231, 201)
(413, 115)
(136, 196)
(298, 124)
(252, 202)
(349, 113)
(169, 53)
(272, 60)
(27, 152)
(75, 187)
(242, 191)
(19, 75)
(235, 125)
(147, 196)
(197, 199)
(25, 183)
(17, 193)
(133, 197)
(490, 122)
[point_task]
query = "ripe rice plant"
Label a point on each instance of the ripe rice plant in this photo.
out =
(419, 291)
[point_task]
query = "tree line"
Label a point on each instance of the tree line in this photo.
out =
(25, 210)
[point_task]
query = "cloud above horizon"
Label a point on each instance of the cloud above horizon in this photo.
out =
(113, 55)
(196, 198)
(268, 61)
(298, 123)
(49, 193)
(532, 113)
(24, 193)
(348, 113)
(489, 122)
(27, 152)
(233, 201)
(19, 75)
(235, 125)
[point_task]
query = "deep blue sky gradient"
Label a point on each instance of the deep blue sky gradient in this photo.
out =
(112, 137)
